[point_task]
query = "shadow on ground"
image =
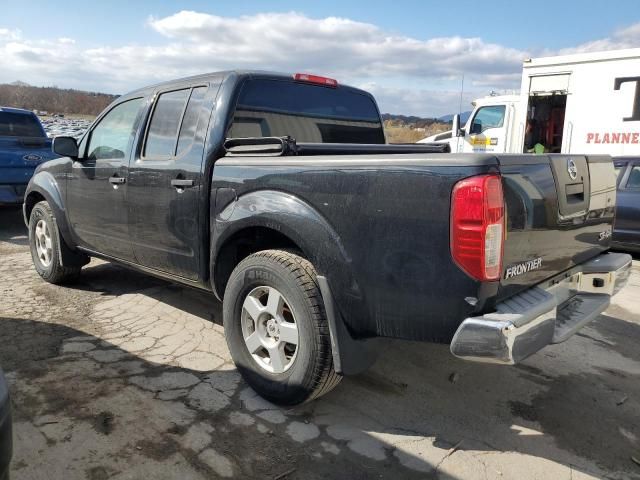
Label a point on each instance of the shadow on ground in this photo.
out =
(12, 227)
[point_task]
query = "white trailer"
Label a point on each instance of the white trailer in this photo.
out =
(582, 103)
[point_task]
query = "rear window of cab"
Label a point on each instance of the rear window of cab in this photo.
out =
(19, 125)
(306, 112)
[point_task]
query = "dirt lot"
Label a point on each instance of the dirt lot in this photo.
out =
(123, 376)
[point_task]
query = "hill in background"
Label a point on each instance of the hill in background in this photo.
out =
(464, 116)
(53, 99)
(410, 129)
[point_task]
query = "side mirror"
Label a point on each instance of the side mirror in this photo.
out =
(456, 131)
(65, 146)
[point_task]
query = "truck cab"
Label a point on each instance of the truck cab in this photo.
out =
(490, 128)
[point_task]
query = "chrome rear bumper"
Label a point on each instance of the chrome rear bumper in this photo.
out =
(547, 313)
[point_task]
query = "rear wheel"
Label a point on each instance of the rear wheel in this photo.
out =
(45, 244)
(276, 328)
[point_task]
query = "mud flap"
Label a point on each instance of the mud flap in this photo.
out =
(68, 257)
(350, 356)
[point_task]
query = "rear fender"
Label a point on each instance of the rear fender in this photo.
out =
(295, 219)
(319, 243)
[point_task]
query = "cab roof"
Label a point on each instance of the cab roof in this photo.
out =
(20, 111)
(239, 74)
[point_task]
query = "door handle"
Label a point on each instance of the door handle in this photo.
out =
(182, 183)
(117, 180)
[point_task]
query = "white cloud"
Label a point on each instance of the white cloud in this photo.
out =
(628, 37)
(337, 46)
(409, 75)
(7, 34)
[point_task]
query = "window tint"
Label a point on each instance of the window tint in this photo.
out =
(634, 177)
(309, 113)
(19, 125)
(163, 129)
(190, 121)
(488, 117)
(113, 136)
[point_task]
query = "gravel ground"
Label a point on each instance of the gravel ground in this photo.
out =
(123, 376)
(65, 126)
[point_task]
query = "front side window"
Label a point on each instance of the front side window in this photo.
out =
(619, 168)
(164, 125)
(634, 177)
(113, 136)
(488, 117)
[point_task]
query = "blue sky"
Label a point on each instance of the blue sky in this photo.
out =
(411, 54)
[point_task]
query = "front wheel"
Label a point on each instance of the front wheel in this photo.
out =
(276, 328)
(44, 242)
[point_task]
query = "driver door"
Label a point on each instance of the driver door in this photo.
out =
(487, 132)
(97, 186)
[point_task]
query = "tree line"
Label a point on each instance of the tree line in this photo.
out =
(54, 99)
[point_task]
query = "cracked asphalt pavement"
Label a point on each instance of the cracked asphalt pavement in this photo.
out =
(123, 376)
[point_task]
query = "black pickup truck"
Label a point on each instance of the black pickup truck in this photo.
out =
(278, 194)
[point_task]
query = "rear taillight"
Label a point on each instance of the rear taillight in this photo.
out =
(477, 226)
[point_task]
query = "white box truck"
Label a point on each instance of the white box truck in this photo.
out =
(585, 103)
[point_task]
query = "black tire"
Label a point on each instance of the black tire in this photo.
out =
(54, 272)
(312, 372)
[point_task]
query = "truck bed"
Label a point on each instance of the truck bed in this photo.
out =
(390, 215)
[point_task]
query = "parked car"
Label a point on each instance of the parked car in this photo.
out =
(626, 231)
(278, 194)
(23, 146)
(6, 439)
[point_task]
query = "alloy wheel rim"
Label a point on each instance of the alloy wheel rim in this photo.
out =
(269, 329)
(44, 245)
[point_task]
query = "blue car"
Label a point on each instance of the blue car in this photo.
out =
(23, 146)
(626, 231)
(6, 442)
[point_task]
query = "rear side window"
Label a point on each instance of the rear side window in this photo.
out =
(190, 121)
(19, 125)
(309, 113)
(174, 122)
(163, 129)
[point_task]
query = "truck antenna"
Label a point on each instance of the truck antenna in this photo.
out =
(461, 92)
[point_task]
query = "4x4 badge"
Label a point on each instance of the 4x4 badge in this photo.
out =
(572, 169)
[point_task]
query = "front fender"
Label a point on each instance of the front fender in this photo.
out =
(307, 228)
(45, 184)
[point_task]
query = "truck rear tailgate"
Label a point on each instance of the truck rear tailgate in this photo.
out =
(559, 213)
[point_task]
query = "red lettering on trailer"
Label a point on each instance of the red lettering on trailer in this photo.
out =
(613, 137)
